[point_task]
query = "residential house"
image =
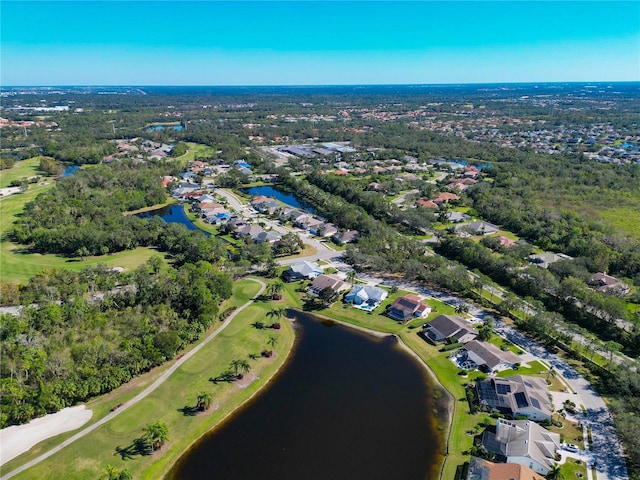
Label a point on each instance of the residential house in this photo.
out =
(326, 281)
(488, 357)
(326, 230)
(366, 297)
(250, 231)
(480, 469)
(346, 237)
(445, 197)
(523, 442)
(516, 396)
(430, 204)
(478, 228)
(408, 307)
(456, 217)
(267, 237)
(543, 260)
(302, 271)
(607, 284)
(445, 327)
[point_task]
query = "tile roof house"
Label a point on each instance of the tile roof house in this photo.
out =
(489, 357)
(366, 297)
(480, 469)
(543, 260)
(327, 281)
(248, 231)
(267, 237)
(607, 284)
(427, 204)
(516, 396)
(408, 307)
(450, 326)
(302, 271)
(479, 228)
(523, 442)
(346, 237)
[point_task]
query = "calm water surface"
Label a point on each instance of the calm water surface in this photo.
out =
(347, 406)
(172, 214)
(286, 198)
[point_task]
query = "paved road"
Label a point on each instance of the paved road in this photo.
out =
(324, 252)
(142, 394)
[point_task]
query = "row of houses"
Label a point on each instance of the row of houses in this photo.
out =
(303, 220)
(522, 442)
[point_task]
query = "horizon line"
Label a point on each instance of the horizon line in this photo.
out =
(545, 82)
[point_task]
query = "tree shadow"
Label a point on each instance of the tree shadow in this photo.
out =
(140, 446)
(258, 325)
(227, 377)
(189, 411)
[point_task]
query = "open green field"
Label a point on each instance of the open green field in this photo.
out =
(624, 218)
(22, 169)
(170, 403)
(18, 266)
(197, 150)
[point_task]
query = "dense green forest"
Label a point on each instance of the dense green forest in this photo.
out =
(86, 333)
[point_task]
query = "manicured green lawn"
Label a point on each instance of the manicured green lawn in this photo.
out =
(22, 169)
(498, 341)
(86, 459)
(197, 150)
(464, 425)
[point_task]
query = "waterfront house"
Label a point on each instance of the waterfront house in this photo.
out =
(302, 271)
(516, 396)
(366, 297)
(488, 357)
(523, 442)
(326, 281)
(408, 307)
(445, 327)
(481, 469)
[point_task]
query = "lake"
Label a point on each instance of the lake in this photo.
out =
(172, 214)
(346, 406)
(286, 198)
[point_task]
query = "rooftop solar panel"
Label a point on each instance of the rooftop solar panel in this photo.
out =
(521, 400)
(503, 388)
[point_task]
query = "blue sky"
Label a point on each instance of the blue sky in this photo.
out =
(316, 43)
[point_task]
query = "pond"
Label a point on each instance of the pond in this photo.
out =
(70, 170)
(286, 198)
(172, 214)
(346, 406)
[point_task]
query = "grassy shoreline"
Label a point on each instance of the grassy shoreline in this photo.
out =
(89, 457)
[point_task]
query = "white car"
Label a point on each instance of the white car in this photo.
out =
(570, 447)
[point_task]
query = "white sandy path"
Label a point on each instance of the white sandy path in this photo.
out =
(18, 439)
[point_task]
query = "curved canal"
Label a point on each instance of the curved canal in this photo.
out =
(347, 406)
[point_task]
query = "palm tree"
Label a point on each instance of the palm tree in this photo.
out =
(235, 366)
(244, 367)
(554, 473)
(351, 275)
(276, 312)
(551, 373)
(204, 401)
(462, 309)
(156, 434)
(112, 473)
(275, 290)
(272, 341)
